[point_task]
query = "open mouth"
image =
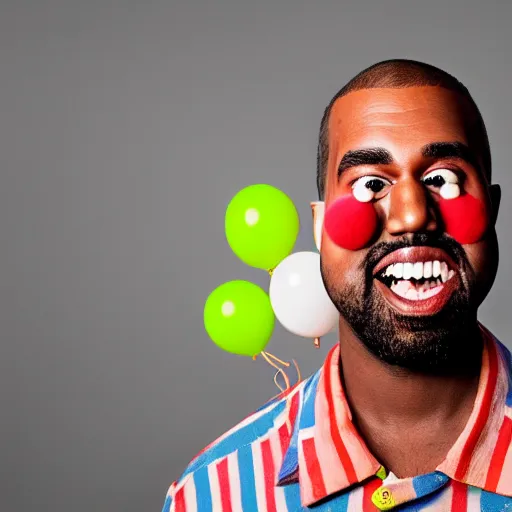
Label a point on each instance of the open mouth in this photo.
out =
(417, 280)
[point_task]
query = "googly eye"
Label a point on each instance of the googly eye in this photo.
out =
(445, 181)
(367, 188)
(449, 191)
(439, 177)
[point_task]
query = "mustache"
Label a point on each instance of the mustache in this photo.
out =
(438, 241)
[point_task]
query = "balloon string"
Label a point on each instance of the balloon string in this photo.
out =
(272, 360)
(299, 377)
(277, 359)
(279, 370)
(277, 383)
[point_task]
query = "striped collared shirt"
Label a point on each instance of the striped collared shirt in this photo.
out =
(301, 450)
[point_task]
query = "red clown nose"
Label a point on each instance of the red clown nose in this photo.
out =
(350, 223)
(465, 218)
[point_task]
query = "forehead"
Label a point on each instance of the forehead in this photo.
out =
(401, 120)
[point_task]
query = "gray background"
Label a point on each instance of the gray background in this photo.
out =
(125, 129)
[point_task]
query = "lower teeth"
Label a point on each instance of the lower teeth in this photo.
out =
(415, 291)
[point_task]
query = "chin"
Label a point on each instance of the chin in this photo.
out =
(436, 343)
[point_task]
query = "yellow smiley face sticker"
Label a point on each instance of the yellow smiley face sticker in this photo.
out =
(383, 499)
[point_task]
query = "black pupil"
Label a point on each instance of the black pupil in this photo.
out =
(375, 185)
(435, 181)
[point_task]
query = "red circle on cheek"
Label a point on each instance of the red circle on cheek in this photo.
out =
(350, 223)
(465, 218)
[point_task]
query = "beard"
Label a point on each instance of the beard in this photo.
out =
(447, 342)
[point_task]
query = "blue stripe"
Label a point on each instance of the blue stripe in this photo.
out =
(422, 503)
(490, 502)
(306, 415)
(247, 481)
(290, 461)
(271, 402)
(203, 491)
(292, 497)
(338, 504)
(429, 483)
(167, 504)
(243, 436)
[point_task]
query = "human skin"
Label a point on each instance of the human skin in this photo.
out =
(410, 419)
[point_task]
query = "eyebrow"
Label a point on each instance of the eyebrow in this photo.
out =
(450, 150)
(381, 156)
(367, 156)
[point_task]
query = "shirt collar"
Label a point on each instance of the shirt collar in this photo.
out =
(482, 455)
(326, 454)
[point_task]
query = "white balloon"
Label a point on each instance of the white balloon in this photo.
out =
(299, 298)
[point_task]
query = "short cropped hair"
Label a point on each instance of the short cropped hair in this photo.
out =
(399, 73)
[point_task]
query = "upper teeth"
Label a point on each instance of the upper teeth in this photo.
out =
(420, 270)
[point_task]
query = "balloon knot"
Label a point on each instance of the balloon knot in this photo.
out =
(270, 271)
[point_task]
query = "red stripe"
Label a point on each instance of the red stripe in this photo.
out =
(179, 501)
(499, 454)
(284, 394)
(285, 431)
(369, 489)
(284, 438)
(335, 434)
(224, 485)
(281, 395)
(483, 414)
(293, 414)
(313, 468)
(294, 407)
(459, 497)
(268, 472)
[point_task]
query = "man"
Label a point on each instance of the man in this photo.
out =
(413, 408)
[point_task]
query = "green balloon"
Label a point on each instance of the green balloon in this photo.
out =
(262, 225)
(239, 318)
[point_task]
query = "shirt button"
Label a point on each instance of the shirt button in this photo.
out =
(383, 499)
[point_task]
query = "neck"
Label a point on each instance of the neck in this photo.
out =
(389, 403)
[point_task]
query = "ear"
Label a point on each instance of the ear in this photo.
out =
(495, 193)
(318, 210)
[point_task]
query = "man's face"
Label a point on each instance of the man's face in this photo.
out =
(419, 323)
